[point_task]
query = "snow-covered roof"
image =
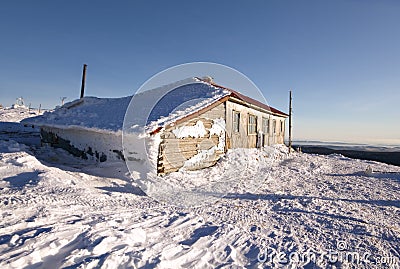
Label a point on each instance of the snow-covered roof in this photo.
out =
(151, 109)
(86, 113)
(252, 101)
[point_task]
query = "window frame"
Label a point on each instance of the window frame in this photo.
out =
(236, 125)
(253, 125)
(265, 127)
(274, 122)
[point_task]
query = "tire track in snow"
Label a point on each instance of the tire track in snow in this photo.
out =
(67, 196)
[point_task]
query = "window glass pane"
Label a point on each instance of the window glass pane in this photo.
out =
(252, 125)
(236, 121)
(265, 127)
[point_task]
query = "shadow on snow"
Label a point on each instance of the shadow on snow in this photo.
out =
(24, 179)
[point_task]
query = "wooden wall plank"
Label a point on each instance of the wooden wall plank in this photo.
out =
(175, 151)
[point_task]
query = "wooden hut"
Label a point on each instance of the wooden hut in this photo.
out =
(216, 119)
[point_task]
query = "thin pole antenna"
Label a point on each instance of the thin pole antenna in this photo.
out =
(83, 80)
(290, 121)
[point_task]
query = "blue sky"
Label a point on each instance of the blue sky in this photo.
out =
(341, 58)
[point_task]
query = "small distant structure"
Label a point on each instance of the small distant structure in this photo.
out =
(63, 100)
(193, 136)
(208, 79)
(20, 101)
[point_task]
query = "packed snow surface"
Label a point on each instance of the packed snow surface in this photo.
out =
(58, 211)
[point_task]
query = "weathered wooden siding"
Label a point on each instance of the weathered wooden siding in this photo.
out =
(174, 152)
(242, 139)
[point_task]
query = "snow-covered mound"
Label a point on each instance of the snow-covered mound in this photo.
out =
(151, 108)
(191, 188)
(17, 113)
(11, 128)
(57, 212)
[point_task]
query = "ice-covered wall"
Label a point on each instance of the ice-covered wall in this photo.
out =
(85, 143)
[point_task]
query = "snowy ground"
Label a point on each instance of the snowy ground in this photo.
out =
(17, 113)
(61, 212)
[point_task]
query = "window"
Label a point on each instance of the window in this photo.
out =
(265, 125)
(281, 127)
(252, 126)
(236, 121)
(274, 126)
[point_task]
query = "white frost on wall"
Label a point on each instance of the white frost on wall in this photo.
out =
(199, 160)
(195, 131)
(83, 139)
(218, 128)
(203, 157)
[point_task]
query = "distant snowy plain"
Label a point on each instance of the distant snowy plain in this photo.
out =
(58, 211)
